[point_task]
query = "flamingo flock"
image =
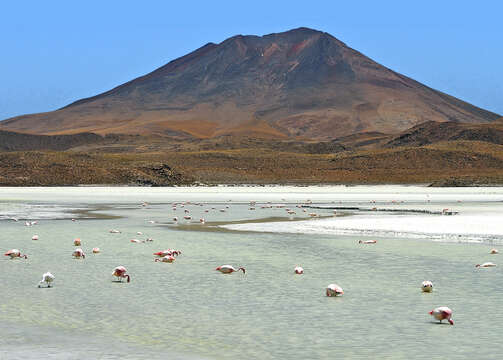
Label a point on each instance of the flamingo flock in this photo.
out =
(169, 256)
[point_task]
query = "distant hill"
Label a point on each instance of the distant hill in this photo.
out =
(299, 84)
(432, 132)
(12, 141)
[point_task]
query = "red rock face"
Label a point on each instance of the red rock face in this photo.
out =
(298, 84)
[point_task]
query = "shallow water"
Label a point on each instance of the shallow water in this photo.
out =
(187, 310)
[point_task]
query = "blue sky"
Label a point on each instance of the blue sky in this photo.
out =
(55, 52)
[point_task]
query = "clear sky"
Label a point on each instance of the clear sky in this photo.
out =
(55, 52)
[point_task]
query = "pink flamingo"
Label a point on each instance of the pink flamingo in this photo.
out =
(77, 242)
(15, 253)
(494, 251)
(120, 273)
(334, 290)
(79, 253)
(442, 313)
(96, 250)
(34, 237)
(298, 270)
(367, 242)
(168, 259)
(168, 252)
(229, 269)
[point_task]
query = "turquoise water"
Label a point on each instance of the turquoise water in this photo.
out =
(187, 310)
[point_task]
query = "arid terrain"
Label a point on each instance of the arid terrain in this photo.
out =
(466, 154)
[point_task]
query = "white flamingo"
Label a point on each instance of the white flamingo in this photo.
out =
(485, 265)
(79, 254)
(494, 251)
(334, 290)
(15, 253)
(47, 278)
(34, 237)
(96, 250)
(166, 259)
(229, 269)
(442, 313)
(427, 286)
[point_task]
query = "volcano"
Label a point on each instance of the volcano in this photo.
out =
(298, 84)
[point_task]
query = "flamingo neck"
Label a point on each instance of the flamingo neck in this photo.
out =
(128, 278)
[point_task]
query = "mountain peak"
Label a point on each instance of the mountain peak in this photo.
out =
(298, 83)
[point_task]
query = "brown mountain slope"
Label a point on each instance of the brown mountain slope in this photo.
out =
(301, 83)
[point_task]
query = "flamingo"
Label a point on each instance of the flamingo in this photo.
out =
(15, 253)
(77, 242)
(139, 233)
(168, 259)
(367, 242)
(136, 241)
(298, 270)
(151, 222)
(175, 219)
(96, 250)
(187, 217)
(485, 265)
(427, 286)
(229, 269)
(494, 251)
(47, 278)
(442, 313)
(169, 252)
(120, 272)
(114, 231)
(34, 237)
(79, 253)
(334, 290)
